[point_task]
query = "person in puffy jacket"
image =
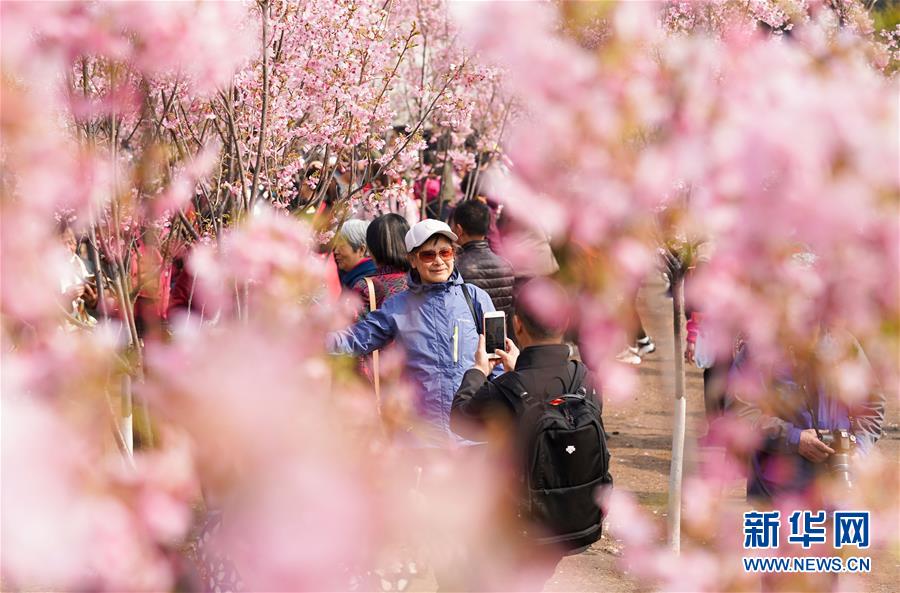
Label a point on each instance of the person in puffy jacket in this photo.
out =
(433, 323)
(477, 263)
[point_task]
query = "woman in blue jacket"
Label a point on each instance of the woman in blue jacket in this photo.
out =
(433, 322)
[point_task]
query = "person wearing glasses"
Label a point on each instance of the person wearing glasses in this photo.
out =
(435, 324)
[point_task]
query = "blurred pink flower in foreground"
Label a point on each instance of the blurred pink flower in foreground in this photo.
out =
(75, 515)
(762, 146)
(288, 446)
(767, 147)
(202, 43)
(757, 145)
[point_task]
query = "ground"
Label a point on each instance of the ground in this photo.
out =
(640, 443)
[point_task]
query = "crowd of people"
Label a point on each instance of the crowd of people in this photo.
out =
(808, 434)
(438, 319)
(429, 286)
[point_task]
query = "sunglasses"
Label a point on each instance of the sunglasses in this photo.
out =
(428, 256)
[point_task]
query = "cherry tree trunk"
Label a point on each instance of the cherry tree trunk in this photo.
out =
(126, 423)
(676, 468)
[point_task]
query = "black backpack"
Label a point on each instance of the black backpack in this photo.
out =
(565, 460)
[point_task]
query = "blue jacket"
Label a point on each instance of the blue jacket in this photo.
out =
(424, 321)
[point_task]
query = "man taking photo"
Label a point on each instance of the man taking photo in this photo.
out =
(547, 408)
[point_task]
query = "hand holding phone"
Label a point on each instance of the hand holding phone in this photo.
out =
(508, 356)
(482, 362)
(494, 332)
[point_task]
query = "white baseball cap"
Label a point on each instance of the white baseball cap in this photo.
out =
(424, 230)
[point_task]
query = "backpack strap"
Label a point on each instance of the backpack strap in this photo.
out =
(465, 289)
(579, 372)
(375, 375)
(511, 385)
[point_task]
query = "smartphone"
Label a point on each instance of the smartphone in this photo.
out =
(494, 332)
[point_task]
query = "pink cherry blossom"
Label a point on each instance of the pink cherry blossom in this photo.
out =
(763, 129)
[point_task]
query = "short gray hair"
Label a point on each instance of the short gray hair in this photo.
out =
(354, 233)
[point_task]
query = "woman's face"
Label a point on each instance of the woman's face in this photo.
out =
(345, 256)
(434, 260)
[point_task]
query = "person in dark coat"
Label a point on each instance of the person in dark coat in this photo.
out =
(481, 410)
(472, 187)
(477, 263)
(543, 366)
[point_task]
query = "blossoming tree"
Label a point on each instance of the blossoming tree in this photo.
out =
(153, 129)
(163, 128)
(764, 142)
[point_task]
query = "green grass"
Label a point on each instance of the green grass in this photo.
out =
(886, 15)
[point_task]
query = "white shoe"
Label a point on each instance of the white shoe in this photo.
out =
(629, 356)
(645, 347)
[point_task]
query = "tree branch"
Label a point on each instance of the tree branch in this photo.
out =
(254, 191)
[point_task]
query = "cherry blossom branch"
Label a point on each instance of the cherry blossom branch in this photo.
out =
(167, 105)
(235, 142)
(188, 226)
(503, 125)
(227, 141)
(121, 443)
(324, 177)
(126, 302)
(254, 190)
(184, 121)
(406, 46)
(410, 136)
(98, 268)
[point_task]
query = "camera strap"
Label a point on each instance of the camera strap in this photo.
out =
(813, 415)
(813, 412)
